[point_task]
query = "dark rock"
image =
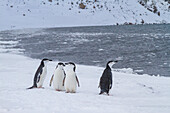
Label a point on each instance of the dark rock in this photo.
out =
(130, 23)
(158, 13)
(126, 23)
(142, 21)
(82, 6)
(149, 9)
(155, 9)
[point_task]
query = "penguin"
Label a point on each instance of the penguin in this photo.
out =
(40, 74)
(70, 81)
(57, 77)
(105, 83)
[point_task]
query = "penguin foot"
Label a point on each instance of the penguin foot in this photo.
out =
(58, 90)
(73, 92)
(41, 87)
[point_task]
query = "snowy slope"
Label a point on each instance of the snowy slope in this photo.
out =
(130, 94)
(17, 14)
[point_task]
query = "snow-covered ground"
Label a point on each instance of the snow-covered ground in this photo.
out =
(18, 14)
(131, 93)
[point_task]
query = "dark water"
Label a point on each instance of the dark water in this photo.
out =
(144, 48)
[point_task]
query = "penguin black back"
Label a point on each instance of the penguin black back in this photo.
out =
(38, 73)
(105, 83)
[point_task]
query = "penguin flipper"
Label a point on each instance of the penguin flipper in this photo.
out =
(38, 74)
(51, 80)
(77, 81)
(64, 80)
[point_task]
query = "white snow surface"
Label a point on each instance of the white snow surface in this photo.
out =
(131, 93)
(19, 14)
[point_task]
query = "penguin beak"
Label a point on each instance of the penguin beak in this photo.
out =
(50, 60)
(116, 61)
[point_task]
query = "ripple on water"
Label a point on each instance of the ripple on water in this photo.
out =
(140, 48)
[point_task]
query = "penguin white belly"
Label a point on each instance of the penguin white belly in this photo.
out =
(42, 77)
(58, 79)
(70, 82)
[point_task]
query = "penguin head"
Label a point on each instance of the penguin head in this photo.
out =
(111, 63)
(45, 60)
(70, 66)
(60, 65)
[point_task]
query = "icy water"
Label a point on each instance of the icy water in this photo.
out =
(144, 48)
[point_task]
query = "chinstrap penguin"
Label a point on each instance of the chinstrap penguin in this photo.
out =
(57, 77)
(105, 83)
(70, 80)
(40, 74)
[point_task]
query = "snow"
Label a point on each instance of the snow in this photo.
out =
(19, 14)
(131, 93)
